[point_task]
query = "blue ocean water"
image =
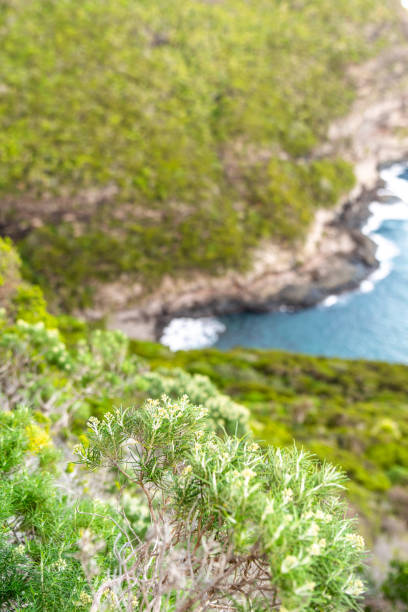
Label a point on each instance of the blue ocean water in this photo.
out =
(370, 323)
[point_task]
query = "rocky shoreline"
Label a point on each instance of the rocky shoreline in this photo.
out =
(342, 272)
(275, 283)
(336, 258)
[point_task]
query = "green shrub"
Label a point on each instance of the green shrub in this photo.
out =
(231, 524)
(29, 304)
(9, 271)
(48, 556)
(395, 587)
(223, 412)
(75, 382)
(37, 525)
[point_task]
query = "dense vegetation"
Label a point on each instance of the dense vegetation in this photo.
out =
(181, 477)
(353, 413)
(44, 529)
(150, 138)
(222, 521)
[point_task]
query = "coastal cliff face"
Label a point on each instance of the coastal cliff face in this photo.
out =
(156, 170)
(336, 256)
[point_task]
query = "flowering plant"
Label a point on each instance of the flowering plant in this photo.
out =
(233, 526)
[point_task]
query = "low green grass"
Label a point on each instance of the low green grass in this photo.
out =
(198, 120)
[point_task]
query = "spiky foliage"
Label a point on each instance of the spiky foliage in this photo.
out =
(233, 527)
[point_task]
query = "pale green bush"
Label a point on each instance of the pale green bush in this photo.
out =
(40, 370)
(233, 526)
(223, 412)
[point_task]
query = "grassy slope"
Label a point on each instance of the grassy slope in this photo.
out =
(197, 119)
(352, 413)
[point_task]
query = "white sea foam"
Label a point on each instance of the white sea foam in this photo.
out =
(394, 183)
(380, 214)
(385, 253)
(385, 212)
(185, 333)
(336, 300)
(331, 300)
(366, 286)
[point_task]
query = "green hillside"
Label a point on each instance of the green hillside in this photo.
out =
(141, 139)
(231, 431)
(150, 138)
(353, 413)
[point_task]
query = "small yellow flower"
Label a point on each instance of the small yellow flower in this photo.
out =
(38, 438)
(84, 599)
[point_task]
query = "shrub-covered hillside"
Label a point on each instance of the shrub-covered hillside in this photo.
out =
(186, 512)
(159, 137)
(190, 509)
(353, 413)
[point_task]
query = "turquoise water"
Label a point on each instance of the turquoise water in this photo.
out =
(370, 323)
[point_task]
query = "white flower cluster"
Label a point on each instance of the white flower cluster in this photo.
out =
(355, 540)
(317, 548)
(354, 587)
(60, 565)
(287, 496)
(171, 411)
